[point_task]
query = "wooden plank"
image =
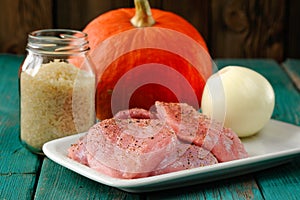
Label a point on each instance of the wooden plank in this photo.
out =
(76, 14)
(232, 29)
(18, 167)
(292, 67)
(79, 13)
(57, 182)
(17, 186)
(66, 184)
(18, 18)
(293, 29)
(153, 4)
(11, 150)
(196, 12)
(248, 29)
(243, 187)
(280, 182)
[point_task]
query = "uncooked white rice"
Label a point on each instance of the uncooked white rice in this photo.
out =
(57, 101)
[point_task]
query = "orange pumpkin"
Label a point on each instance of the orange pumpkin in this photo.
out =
(143, 55)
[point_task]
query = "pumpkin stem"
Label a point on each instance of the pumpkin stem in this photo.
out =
(143, 15)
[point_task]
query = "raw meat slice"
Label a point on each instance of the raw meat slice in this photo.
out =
(77, 151)
(187, 156)
(130, 148)
(194, 127)
(193, 157)
(175, 138)
(135, 113)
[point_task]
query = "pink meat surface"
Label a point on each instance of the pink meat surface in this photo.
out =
(78, 151)
(135, 113)
(186, 156)
(132, 147)
(193, 157)
(138, 143)
(194, 127)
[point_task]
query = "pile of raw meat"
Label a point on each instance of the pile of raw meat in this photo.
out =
(138, 143)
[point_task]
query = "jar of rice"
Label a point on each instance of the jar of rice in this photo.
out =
(57, 87)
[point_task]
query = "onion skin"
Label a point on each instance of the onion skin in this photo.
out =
(245, 100)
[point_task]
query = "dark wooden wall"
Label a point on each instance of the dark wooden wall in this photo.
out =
(231, 28)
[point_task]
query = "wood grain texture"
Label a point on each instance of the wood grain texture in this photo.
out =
(227, 40)
(195, 12)
(18, 167)
(231, 28)
(68, 185)
(293, 29)
(77, 14)
(282, 182)
(243, 188)
(285, 180)
(17, 186)
(20, 17)
(81, 12)
(248, 29)
(292, 67)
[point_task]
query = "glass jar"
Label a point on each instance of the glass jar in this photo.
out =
(57, 87)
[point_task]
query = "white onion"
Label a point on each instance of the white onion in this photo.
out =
(241, 97)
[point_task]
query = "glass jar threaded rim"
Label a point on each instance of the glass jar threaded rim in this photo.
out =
(57, 41)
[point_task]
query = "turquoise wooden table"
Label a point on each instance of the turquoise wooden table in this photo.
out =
(24, 175)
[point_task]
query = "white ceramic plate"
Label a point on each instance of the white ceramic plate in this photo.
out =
(277, 143)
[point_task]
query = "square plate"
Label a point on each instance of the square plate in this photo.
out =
(277, 143)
